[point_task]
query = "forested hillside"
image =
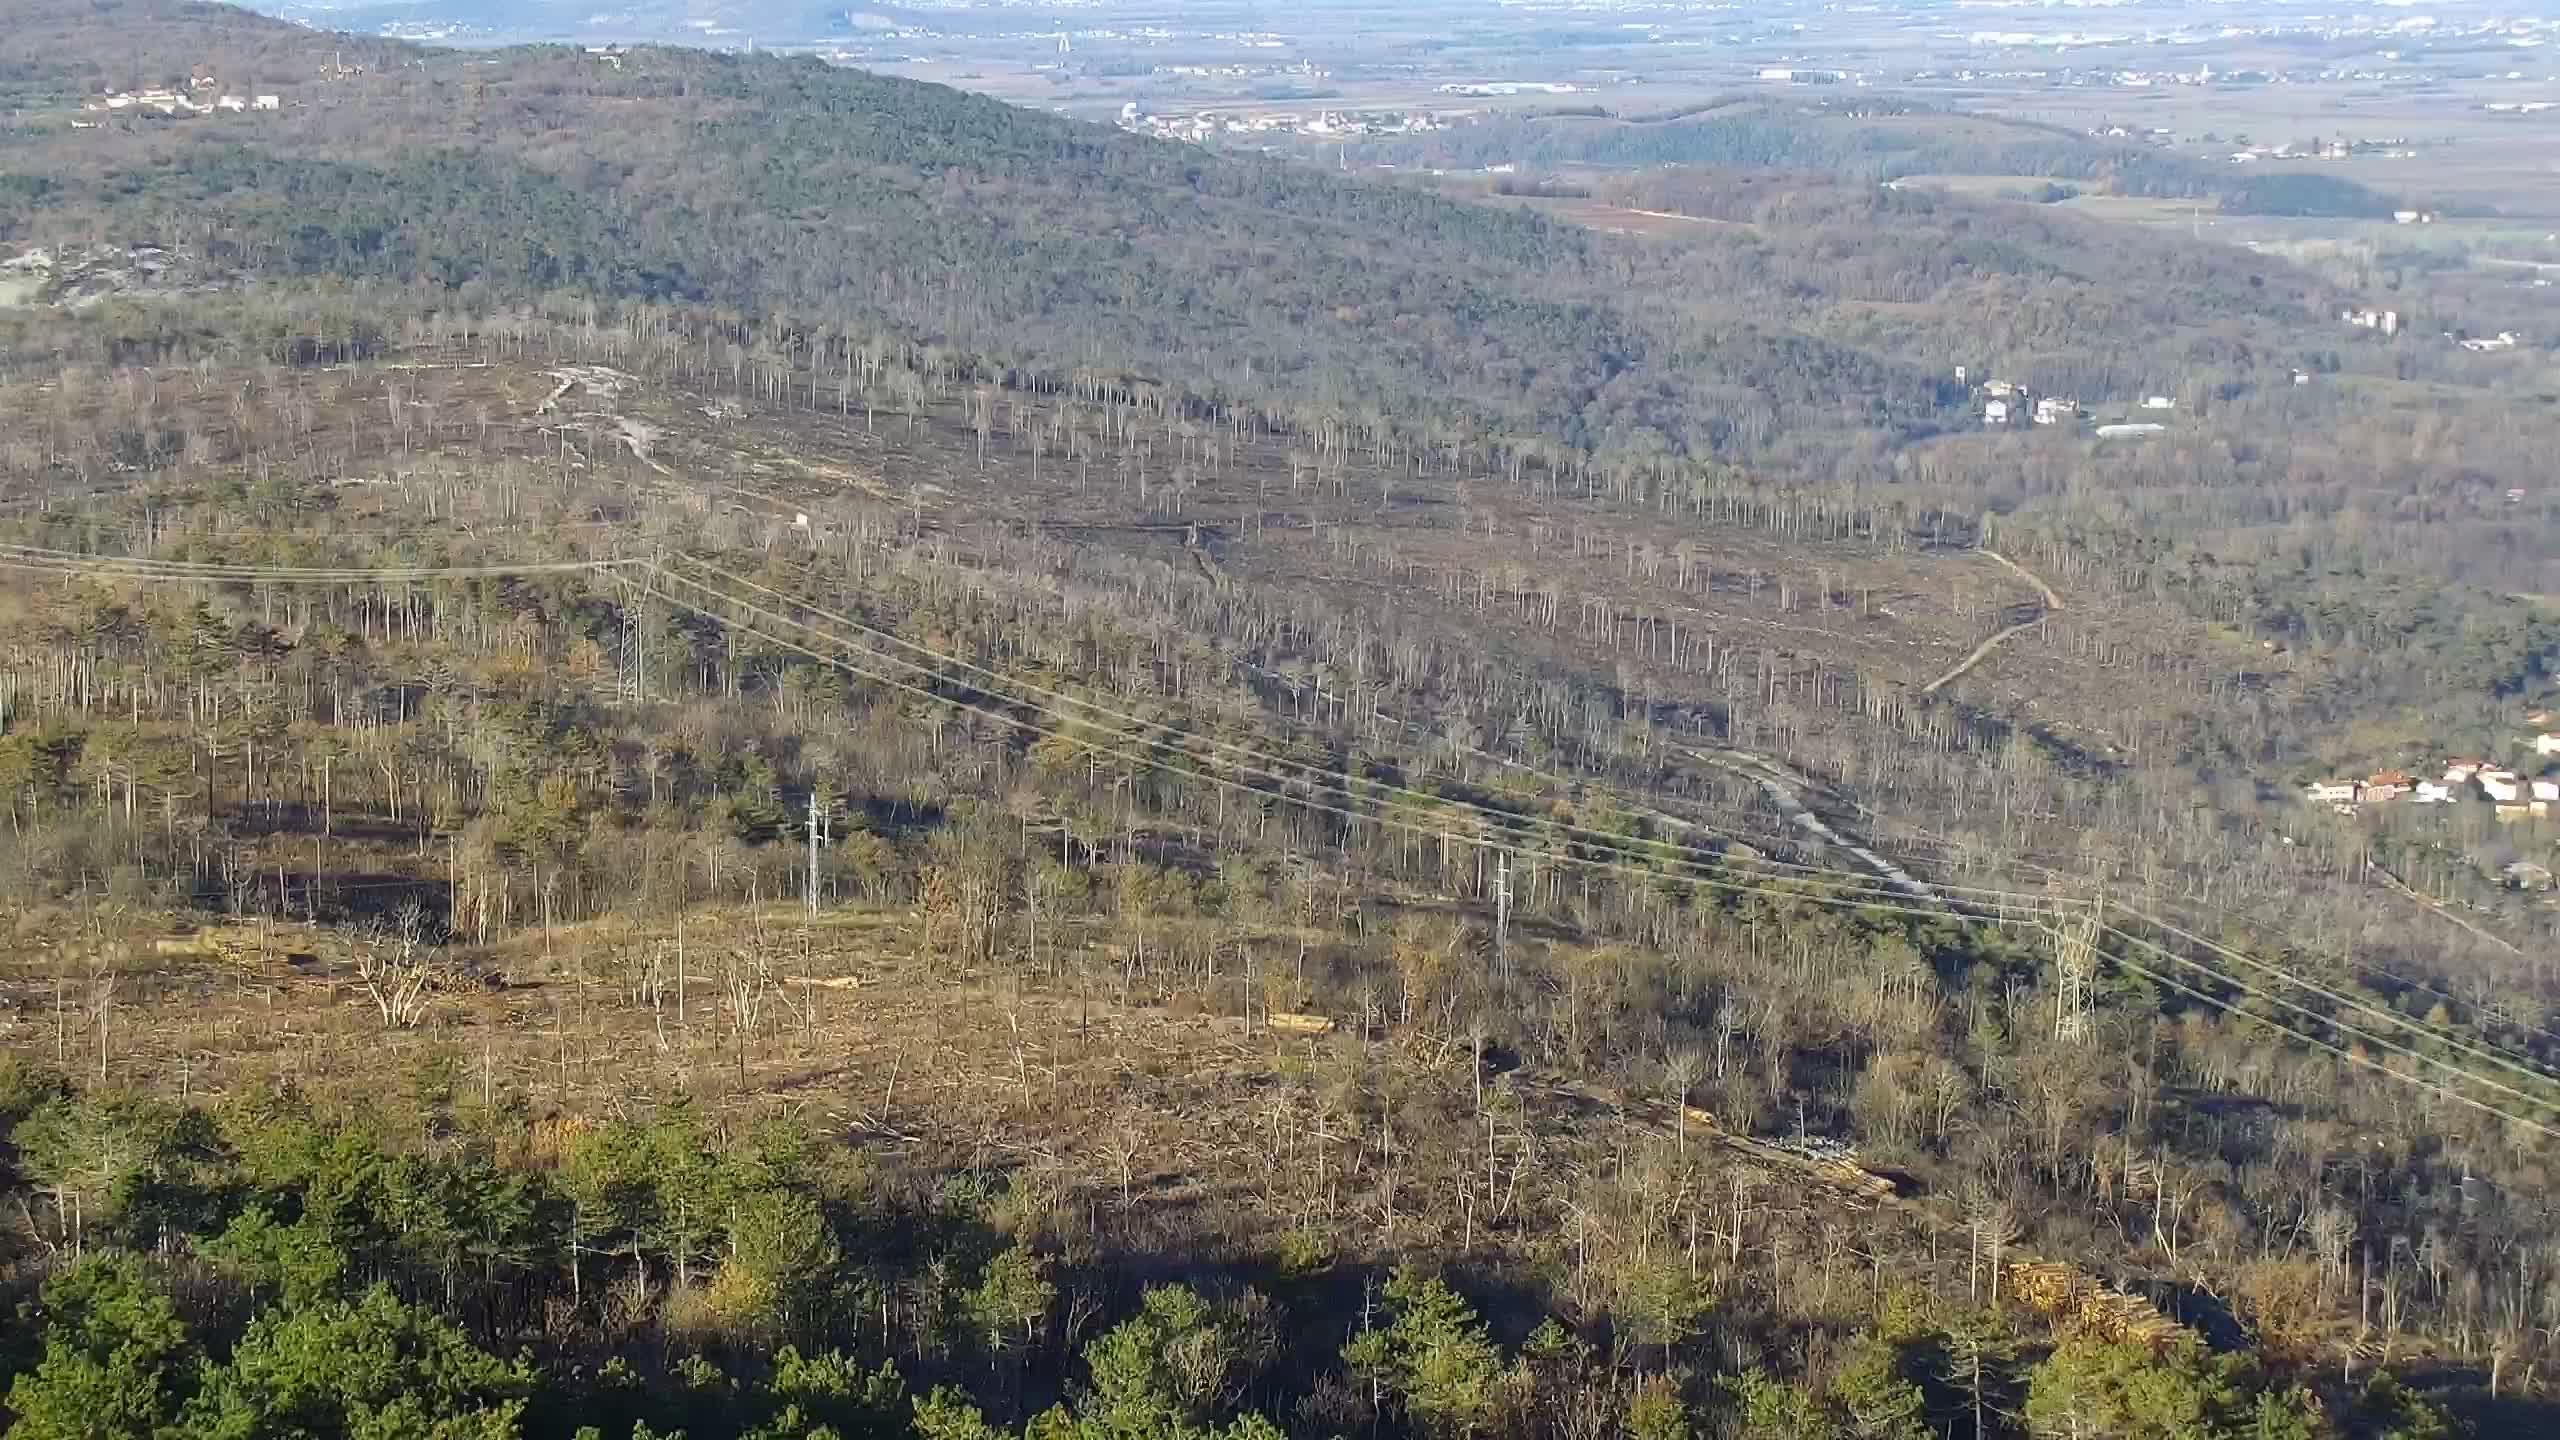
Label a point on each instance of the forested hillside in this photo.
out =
(696, 745)
(861, 202)
(1818, 338)
(1872, 140)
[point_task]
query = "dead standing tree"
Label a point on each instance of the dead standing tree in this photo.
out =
(396, 968)
(749, 982)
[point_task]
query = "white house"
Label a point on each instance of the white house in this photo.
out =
(232, 103)
(2547, 743)
(2432, 792)
(267, 102)
(1995, 412)
(2158, 402)
(2345, 792)
(2546, 789)
(2501, 784)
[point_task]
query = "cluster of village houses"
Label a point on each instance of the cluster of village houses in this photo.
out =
(2005, 402)
(203, 95)
(1198, 128)
(2516, 796)
(2387, 322)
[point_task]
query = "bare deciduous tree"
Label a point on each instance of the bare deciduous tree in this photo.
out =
(396, 967)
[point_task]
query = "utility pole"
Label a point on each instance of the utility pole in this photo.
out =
(816, 811)
(640, 634)
(2075, 944)
(1501, 896)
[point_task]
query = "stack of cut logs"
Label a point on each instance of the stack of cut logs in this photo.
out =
(2074, 1300)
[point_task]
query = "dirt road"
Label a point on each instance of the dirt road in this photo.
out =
(1975, 656)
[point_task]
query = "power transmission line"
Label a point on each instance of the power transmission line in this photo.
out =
(2331, 1021)
(1581, 834)
(32, 558)
(2336, 997)
(2347, 1055)
(1846, 896)
(67, 562)
(1830, 889)
(1838, 893)
(1330, 780)
(2024, 860)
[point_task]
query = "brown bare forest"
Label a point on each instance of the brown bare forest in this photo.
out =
(716, 747)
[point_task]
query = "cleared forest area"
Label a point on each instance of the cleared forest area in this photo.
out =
(910, 770)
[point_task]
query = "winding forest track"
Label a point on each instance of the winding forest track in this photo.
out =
(2438, 907)
(1783, 789)
(1979, 653)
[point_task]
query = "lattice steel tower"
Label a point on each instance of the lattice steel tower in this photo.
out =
(2075, 964)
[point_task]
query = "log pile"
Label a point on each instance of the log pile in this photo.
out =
(241, 945)
(2073, 1300)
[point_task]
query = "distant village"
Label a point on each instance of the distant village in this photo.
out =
(2387, 323)
(2514, 796)
(2334, 150)
(2003, 404)
(202, 95)
(1198, 127)
(2006, 402)
(2387, 29)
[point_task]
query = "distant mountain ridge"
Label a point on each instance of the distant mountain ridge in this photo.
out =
(701, 22)
(1819, 329)
(1876, 140)
(860, 200)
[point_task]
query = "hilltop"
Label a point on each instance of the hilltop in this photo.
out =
(1874, 139)
(1031, 242)
(853, 200)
